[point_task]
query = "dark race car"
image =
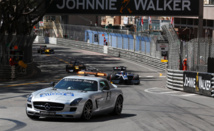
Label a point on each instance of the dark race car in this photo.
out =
(75, 66)
(45, 50)
(121, 76)
(41, 48)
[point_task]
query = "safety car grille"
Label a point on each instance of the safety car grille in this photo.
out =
(48, 106)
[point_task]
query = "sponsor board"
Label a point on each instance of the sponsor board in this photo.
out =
(127, 7)
(197, 83)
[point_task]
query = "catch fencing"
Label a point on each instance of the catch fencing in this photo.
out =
(197, 59)
(190, 50)
(174, 47)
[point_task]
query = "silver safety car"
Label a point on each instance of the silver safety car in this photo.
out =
(75, 97)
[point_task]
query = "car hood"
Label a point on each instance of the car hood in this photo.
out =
(65, 96)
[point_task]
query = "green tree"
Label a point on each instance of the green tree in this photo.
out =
(17, 19)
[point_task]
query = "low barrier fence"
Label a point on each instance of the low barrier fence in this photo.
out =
(175, 79)
(13, 72)
(192, 82)
(126, 54)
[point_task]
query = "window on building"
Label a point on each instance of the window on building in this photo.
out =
(208, 2)
(212, 2)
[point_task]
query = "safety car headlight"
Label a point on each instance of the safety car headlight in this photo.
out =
(75, 102)
(29, 98)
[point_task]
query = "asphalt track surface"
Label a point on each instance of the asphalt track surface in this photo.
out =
(147, 107)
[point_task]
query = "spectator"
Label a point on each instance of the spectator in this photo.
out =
(105, 42)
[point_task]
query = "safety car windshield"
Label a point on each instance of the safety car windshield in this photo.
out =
(77, 84)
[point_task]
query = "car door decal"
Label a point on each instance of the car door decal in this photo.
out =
(108, 97)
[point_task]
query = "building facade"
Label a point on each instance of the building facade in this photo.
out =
(188, 26)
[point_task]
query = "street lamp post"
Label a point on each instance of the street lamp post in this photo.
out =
(200, 29)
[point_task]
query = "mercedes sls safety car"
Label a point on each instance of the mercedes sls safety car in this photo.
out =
(75, 66)
(45, 50)
(121, 76)
(76, 97)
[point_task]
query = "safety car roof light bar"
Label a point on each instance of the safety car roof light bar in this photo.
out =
(91, 73)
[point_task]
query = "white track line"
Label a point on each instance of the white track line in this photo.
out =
(189, 95)
(151, 90)
(162, 76)
(169, 92)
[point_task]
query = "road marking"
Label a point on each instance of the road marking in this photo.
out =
(169, 92)
(61, 60)
(22, 84)
(162, 91)
(189, 95)
(151, 76)
(162, 76)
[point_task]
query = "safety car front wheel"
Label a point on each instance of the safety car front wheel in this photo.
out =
(136, 77)
(87, 111)
(118, 106)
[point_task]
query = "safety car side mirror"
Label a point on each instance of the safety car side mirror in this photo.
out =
(52, 84)
(105, 88)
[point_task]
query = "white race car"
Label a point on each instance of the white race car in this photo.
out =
(75, 97)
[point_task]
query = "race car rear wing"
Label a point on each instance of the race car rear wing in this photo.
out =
(92, 73)
(119, 68)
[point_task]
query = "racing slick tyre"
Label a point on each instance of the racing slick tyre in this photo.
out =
(87, 111)
(136, 77)
(66, 69)
(113, 76)
(108, 77)
(83, 68)
(52, 52)
(118, 106)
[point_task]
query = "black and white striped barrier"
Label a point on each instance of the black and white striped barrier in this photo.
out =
(193, 82)
(174, 79)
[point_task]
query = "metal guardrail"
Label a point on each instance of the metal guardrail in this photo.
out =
(175, 79)
(126, 54)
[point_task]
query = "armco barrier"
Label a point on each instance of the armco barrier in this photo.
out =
(175, 79)
(126, 54)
